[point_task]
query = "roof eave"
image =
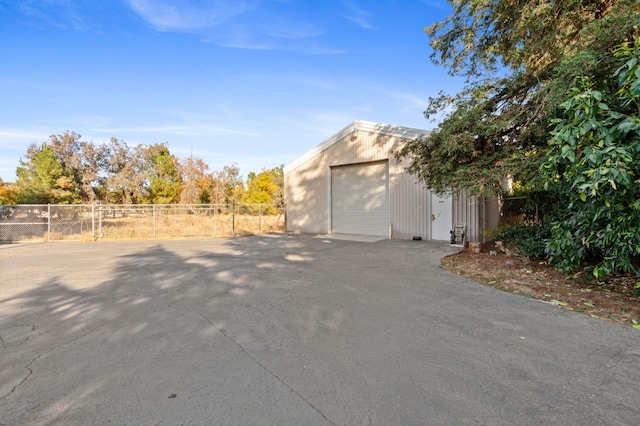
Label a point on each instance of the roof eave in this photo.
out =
(357, 125)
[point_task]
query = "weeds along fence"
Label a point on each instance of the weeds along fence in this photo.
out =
(91, 222)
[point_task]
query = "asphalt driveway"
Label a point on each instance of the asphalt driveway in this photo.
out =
(293, 330)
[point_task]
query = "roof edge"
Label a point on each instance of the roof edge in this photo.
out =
(357, 125)
(390, 130)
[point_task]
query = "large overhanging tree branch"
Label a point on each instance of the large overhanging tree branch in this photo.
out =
(519, 58)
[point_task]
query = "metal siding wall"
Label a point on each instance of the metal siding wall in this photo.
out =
(467, 209)
(306, 196)
(366, 147)
(409, 204)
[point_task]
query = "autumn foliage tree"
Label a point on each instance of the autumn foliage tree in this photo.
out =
(82, 159)
(8, 193)
(67, 169)
(265, 187)
(196, 181)
(124, 174)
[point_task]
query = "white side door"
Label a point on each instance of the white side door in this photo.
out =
(441, 217)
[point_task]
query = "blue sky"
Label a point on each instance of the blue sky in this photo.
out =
(254, 82)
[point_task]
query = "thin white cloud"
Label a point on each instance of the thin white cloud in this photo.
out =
(358, 16)
(436, 4)
(411, 101)
(19, 139)
(182, 130)
(187, 15)
(173, 130)
(237, 24)
(284, 45)
(53, 13)
(210, 129)
(301, 31)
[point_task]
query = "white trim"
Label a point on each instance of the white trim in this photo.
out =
(329, 199)
(390, 130)
(319, 148)
(358, 125)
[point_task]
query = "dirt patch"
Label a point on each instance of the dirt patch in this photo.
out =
(612, 299)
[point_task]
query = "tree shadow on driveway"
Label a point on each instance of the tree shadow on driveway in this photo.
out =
(138, 328)
(288, 329)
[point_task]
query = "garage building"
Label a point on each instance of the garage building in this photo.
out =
(352, 184)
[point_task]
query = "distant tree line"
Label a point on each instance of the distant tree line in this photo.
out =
(69, 170)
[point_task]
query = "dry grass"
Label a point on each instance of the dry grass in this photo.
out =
(168, 226)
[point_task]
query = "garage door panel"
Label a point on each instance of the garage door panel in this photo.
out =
(360, 199)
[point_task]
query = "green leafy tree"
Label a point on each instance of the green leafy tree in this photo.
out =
(278, 180)
(595, 150)
(519, 58)
(42, 179)
(80, 163)
(164, 178)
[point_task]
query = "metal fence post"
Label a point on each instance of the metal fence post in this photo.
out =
(93, 220)
(48, 222)
(72, 222)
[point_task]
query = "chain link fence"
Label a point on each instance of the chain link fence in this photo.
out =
(91, 222)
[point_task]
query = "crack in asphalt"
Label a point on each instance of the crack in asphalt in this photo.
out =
(31, 326)
(274, 375)
(46, 351)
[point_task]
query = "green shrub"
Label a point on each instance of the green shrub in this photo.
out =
(529, 238)
(595, 148)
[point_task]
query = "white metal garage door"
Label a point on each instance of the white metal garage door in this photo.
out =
(360, 199)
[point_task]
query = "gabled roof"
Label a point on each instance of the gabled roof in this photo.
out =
(358, 125)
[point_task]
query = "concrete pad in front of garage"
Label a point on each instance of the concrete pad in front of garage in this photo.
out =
(293, 330)
(352, 237)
